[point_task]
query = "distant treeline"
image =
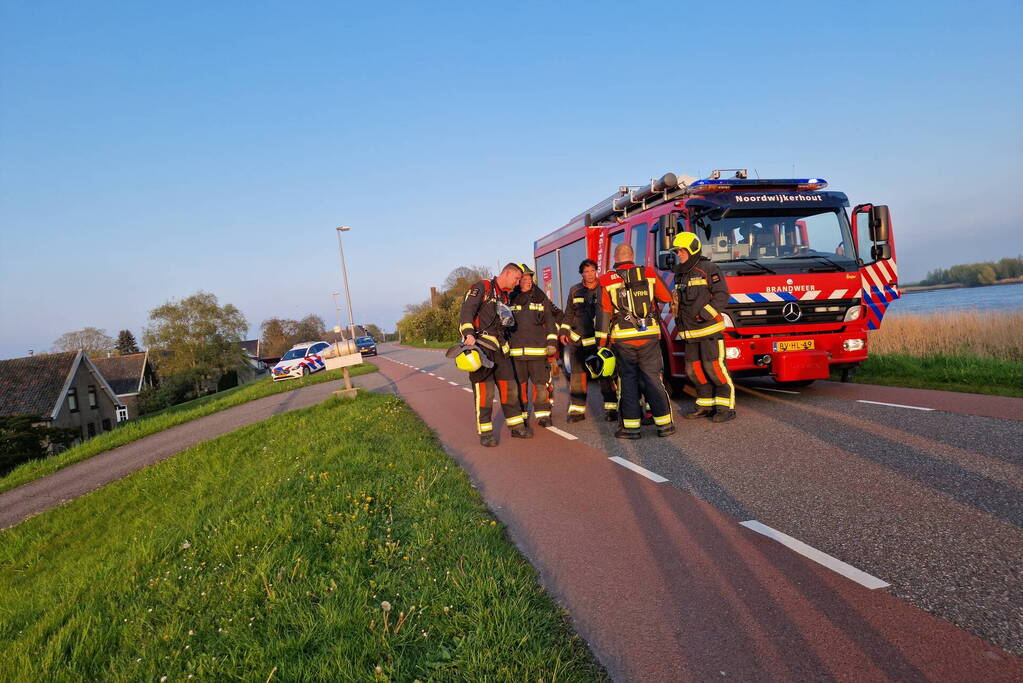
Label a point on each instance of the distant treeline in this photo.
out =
(976, 274)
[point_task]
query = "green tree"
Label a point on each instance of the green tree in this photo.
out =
(94, 341)
(126, 343)
(309, 328)
(26, 437)
(376, 332)
(276, 335)
(1009, 267)
(198, 335)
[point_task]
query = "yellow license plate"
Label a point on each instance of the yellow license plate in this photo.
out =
(797, 345)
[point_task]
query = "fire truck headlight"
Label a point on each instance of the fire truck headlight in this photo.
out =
(853, 345)
(731, 352)
(728, 322)
(853, 313)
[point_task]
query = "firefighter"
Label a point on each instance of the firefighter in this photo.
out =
(579, 335)
(533, 340)
(629, 321)
(699, 296)
(484, 321)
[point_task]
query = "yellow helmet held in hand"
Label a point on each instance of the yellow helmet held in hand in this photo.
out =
(469, 358)
(688, 241)
(602, 364)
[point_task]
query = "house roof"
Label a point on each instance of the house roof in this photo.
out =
(123, 373)
(33, 385)
(250, 346)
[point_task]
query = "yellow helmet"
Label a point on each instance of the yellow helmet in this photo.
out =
(526, 270)
(469, 360)
(602, 364)
(688, 241)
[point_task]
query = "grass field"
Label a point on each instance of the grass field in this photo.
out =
(965, 351)
(334, 543)
(947, 373)
(430, 344)
(155, 422)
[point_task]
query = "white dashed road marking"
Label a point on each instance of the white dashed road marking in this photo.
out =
(454, 384)
(562, 434)
(893, 405)
(833, 563)
(652, 476)
(467, 389)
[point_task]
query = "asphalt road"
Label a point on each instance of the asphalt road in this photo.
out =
(928, 501)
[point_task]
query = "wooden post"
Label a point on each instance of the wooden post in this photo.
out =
(344, 362)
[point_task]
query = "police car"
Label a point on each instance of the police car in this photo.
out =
(300, 360)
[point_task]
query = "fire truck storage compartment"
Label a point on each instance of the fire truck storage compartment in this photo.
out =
(792, 366)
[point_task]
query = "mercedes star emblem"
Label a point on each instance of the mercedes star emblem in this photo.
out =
(791, 312)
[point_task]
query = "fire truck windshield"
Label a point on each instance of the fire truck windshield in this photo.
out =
(789, 239)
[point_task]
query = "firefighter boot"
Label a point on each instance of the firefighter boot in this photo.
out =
(666, 430)
(576, 417)
(701, 411)
(488, 440)
(522, 432)
(723, 415)
(624, 433)
(610, 416)
(544, 422)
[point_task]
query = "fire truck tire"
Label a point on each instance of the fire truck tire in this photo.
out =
(796, 383)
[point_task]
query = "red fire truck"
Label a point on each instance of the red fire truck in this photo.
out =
(807, 278)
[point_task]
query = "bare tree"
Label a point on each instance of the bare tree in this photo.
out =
(94, 341)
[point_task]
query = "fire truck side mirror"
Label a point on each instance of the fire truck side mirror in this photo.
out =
(668, 232)
(666, 260)
(881, 252)
(880, 225)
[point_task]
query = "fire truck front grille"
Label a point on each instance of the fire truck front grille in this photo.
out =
(784, 312)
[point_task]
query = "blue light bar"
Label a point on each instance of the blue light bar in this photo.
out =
(739, 184)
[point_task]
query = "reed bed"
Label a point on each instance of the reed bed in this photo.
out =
(995, 334)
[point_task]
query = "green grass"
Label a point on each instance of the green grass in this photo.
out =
(269, 553)
(164, 419)
(948, 373)
(431, 344)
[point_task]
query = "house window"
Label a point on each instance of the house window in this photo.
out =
(72, 400)
(106, 424)
(91, 427)
(122, 413)
(92, 397)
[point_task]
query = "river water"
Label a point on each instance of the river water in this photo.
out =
(991, 298)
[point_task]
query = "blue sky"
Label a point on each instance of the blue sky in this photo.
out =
(150, 150)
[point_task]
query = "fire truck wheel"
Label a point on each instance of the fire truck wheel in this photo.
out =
(795, 383)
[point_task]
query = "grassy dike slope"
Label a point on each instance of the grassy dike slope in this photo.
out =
(276, 551)
(165, 419)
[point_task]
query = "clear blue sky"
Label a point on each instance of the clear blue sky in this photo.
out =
(149, 150)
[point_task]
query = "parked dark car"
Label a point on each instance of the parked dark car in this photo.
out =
(366, 345)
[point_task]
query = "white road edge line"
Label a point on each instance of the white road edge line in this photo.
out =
(893, 405)
(780, 391)
(563, 434)
(652, 476)
(454, 384)
(833, 563)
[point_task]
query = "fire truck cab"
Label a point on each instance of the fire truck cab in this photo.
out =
(807, 277)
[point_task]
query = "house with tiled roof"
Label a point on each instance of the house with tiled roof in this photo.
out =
(127, 375)
(63, 389)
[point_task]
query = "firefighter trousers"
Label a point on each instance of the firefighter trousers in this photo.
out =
(537, 372)
(496, 382)
(640, 371)
(705, 366)
(578, 382)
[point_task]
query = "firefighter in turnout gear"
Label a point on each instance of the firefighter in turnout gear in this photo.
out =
(578, 333)
(485, 320)
(699, 296)
(629, 319)
(533, 339)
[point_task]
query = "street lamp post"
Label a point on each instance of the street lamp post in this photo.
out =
(337, 307)
(344, 274)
